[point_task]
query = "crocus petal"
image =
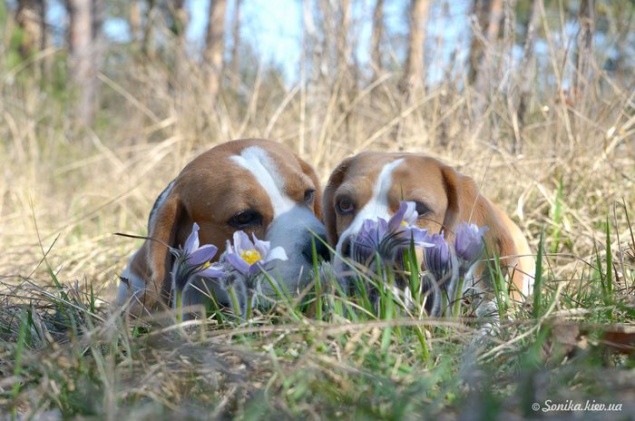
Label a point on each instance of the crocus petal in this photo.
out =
(367, 240)
(468, 241)
(369, 234)
(229, 249)
(437, 258)
(237, 262)
(202, 255)
(214, 271)
(192, 241)
(407, 213)
(255, 268)
(277, 253)
(262, 247)
(242, 242)
(410, 215)
(419, 237)
(368, 225)
(245, 242)
(395, 222)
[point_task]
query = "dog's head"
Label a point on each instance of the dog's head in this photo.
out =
(252, 185)
(372, 184)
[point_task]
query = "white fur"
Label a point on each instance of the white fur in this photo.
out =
(257, 162)
(292, 223)
(132, 290)
(292, 231)
(377, 206)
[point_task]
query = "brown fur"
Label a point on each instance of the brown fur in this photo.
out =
(209, 190)
(451, 197)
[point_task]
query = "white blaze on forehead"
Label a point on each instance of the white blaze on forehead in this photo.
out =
(377, 206)
(256, 160)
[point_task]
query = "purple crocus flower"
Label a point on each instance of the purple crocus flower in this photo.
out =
(406, 216)
(251, 257)
(369, 240)
(194, 260)
(389, 238)
(468, 244)
(442, 272)
(439, 260)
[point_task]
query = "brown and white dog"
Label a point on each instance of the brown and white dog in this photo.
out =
(253, 185)
(371, 185)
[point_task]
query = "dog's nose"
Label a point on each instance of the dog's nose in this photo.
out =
(320, 248)
(346, 247)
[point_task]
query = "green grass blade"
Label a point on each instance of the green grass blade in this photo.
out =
(19, 353)
(537, 307)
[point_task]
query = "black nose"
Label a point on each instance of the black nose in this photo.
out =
(346, 247)
(321, 250)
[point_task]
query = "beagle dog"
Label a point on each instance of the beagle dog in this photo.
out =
(372, 184)
(254, 185)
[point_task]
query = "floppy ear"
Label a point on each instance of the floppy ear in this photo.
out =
(465, 203)
(503, 237)
(454, 184)
(516, 255)
(162, 229)
(328, 211)
(317, 203)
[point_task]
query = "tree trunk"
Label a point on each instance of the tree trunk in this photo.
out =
(311, 53)
(134, 20)
(30, 19)
(528, 54)
(376, 36)
(343, 44)
(214, 41)
(147, 28)
(618, 67)
(179, 20)
(98, 41)
(81, 66)
(480, 16)
(495, 19)
(414, 72)
(488, 15)
(235, 56)
(492, 34)
(584, 51)
(484, 67)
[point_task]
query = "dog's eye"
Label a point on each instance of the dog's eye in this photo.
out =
(345, 205)
(246, 218)
(309, 196)
(422, 208)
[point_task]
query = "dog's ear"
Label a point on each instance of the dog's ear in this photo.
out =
(454, 190)
(503, 237)
(163, 226)
(328, 209)
(465, 203)
(512, 247)
(317, 203)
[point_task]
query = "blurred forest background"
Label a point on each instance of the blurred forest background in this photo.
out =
(86, 53)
